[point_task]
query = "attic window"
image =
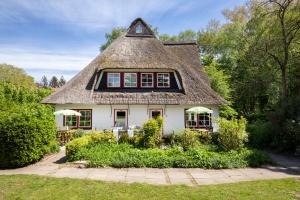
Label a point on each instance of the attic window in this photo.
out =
(113, 80)
(139, 28)
(163, 80)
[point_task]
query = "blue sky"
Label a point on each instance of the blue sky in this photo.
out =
(60, 37)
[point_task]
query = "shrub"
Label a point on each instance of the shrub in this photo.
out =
(91, 138)
(79, 133)
(260, 134)
(232, 133)
(75, 145)
(124, 137)
(205, 136)
(169, 139)
(187, 139)
(53, 147)
(124, 155)
(152, 137)
(26, 131)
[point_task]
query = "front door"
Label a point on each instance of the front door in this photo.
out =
(121, 118)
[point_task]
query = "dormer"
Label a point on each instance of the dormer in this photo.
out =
(139, 28)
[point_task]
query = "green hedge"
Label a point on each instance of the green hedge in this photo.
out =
(27, 133)
(124, 155)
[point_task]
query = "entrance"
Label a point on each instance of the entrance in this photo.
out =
(121, 118)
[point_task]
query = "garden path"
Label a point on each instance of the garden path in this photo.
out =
(55, 166)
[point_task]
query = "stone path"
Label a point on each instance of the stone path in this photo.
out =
(54, 166)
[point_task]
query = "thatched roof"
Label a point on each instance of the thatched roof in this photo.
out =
(129, 52)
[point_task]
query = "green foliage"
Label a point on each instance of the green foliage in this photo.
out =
(261, 134)
(79, 133)
(16, 76)
(91, 138)
(152, 132)
(219, 80)
(227, 112)
(205, 137)
(232, 133)
(169, 139)
(110, 37)
(124, 155)
(187, 139)
(26, 131)
(53, 147)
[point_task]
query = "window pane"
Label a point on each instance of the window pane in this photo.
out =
(147, 80)
(85, 118)
(113, 80)
(163, 80)
(71, 121)
(130, 80)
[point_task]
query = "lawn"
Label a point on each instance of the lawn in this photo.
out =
(37, 187)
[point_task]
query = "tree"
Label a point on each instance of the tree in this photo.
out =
(54, 82)
(275, 26)
(16, 76)
(110, 37)
(62, 81)
(45, 81)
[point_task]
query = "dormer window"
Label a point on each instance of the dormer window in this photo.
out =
(113, 80)
(130, 80)
(146, 80)
(139, 28)
(163, 80)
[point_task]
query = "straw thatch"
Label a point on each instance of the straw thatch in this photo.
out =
(129, 52)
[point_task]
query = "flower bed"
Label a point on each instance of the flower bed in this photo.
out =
(124, 155)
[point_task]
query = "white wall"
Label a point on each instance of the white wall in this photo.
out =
(103, 115)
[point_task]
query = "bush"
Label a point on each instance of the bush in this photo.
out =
(79, 133)
(124, 137)
(187, 139)
(91, 138)
(26, 131)
(124, 155)
(205, 136)
(260, 134)
(152, 135)
(232, 133)
(53, 147)
(169, 139)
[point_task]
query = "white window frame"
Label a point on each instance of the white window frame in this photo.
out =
(168, 80)
(108, 80)
(136, 80)
(139, 29)
(79, 126)
(152, 85)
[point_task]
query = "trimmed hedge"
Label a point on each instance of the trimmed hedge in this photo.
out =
(124, 155)
(27, 133)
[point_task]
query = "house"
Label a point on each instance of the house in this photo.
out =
(136, 78)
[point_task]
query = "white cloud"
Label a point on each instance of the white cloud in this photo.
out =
(90, 14)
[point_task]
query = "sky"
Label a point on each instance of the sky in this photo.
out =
(61, 37)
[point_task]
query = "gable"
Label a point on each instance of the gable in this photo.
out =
(139, 28)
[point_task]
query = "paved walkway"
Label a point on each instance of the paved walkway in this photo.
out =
(54, 166)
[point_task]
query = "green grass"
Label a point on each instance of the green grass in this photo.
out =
(37, 187)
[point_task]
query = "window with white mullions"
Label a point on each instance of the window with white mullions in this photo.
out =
(163, 80)
(71, 121)
(113, 80)
(85, 118)
(146, 80)
(204, 120)
(130, 80)
(139, 29)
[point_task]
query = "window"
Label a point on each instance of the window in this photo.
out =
(204, 120)
(71, 121)
(139, 29)
(146, 80)
(120, 118)
(84, 121)
(85, 118)
(198, 120)
(130, 80)
(113, 80)
(163, 80)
